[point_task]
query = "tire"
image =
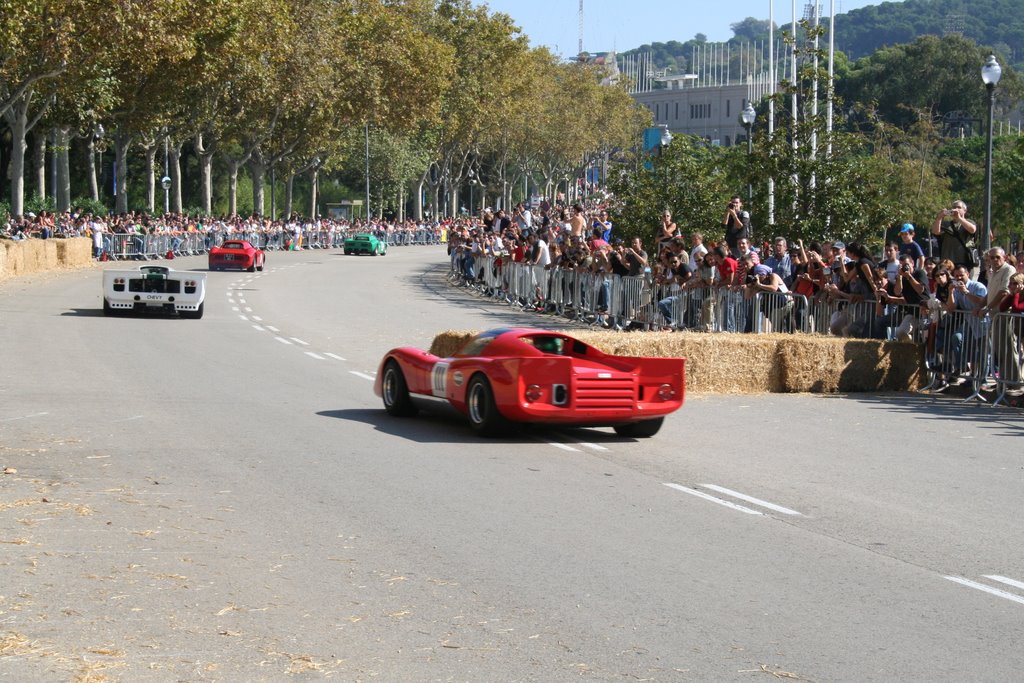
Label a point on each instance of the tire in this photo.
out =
(107, 310)
(484, 416)
(640, 430)
(252, 268)
(395, 392)
(375, 251)
(262, 263)
(193, 315)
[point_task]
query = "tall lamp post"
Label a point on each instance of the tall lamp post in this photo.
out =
(990, 74)
(747, 116)
(165, 182)
(666, 140)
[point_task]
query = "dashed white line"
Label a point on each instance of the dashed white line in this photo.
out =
(751, 499)
(257, 327)
(705, 496)
(23, 417)
(272, 329)
(563, 446)
(282, 340)
(986, 589)
(257, 318)
(315, 355)
(235, 309)
(1008, 582)
(593, 446)
(248, 309)
(362, 374)
(299, 341)
(243, 317)
(334, 356)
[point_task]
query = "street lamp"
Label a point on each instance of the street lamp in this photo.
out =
(990, 74)
(165, 182)
(472, 185)
(747, 116)
(666, 137)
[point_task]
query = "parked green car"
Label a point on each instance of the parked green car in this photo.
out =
(365, 244)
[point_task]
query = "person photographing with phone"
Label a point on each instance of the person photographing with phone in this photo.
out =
(736, 223)
(957, 235)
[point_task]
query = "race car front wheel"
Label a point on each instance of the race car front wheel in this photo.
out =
(483, 411)
(396, 391)
(194, 315)
(640, 430)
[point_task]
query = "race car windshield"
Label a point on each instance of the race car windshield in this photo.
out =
(233, 245)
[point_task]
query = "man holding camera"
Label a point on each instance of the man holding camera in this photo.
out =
(910, 289)
(736, 224)
(956, 236)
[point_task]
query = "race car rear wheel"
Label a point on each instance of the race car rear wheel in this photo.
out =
(395, 391)
(484, 415)
(640, 430)
(260, 266)
(107, 308)
(252, 268)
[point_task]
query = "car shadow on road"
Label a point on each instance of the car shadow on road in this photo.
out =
(84, 313)
(441, 427)
(928, 407)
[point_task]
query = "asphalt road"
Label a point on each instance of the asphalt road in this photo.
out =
(226, 500)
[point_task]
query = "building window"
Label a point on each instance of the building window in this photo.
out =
(677, 111)
(727, 103)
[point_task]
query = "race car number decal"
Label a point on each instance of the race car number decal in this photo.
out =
(439, 379)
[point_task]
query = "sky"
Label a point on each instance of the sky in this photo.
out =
(623, 25)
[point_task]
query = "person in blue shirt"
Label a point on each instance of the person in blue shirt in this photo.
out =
(909, 246)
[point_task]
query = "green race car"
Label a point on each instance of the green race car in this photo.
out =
(365, 244)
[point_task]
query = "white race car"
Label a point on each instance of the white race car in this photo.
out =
(154, 287)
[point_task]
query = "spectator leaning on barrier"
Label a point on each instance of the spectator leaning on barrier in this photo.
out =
(780, 262)
(668, 230)
(1004, 337)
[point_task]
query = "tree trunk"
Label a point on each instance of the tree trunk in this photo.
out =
(205, 149)
(122, 143)
(419, 201)
(289, 194)
(314, 177)
(63, 158)
(17, 120)
(39, 163)
(233, 188)
(94, 186)
(258, 171)
(150, 150)
(174, 152)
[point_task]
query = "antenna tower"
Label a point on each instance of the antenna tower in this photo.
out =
(580, 51)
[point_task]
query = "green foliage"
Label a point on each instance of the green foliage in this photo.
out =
(35, 204)
(687, 178)
(989, 22)
(83, 205)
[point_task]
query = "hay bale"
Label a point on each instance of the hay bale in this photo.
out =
(74, 252)
(758, 363)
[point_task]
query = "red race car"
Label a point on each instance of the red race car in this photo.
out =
(237, 254)
(522, 375)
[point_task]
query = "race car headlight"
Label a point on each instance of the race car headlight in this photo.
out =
(533, 393)
(666, 392)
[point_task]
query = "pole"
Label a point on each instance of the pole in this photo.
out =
(167, 174)
(273, 195)
(367, 170)
(750, 151)
(986, 235)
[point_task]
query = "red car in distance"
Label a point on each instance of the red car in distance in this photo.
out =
(522, 375)
(238, 254)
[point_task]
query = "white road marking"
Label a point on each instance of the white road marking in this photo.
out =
(23, 417)
(273, 329)
(235, 309)
(257, 318)
(283, 340)
(315, 355)
(361, 374)
(563, 446)
(987, 589)
(334, 356)
(257, 327)
(129, 419)
(705, 496)
(299, 341)
(248, 309)
(593, 446)
(1008, 582)
(245, 318)
(751, 499)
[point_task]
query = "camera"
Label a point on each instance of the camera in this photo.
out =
(905, 267)
(751, 279)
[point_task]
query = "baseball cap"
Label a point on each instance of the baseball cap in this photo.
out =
(907, 227)
(838, 245)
